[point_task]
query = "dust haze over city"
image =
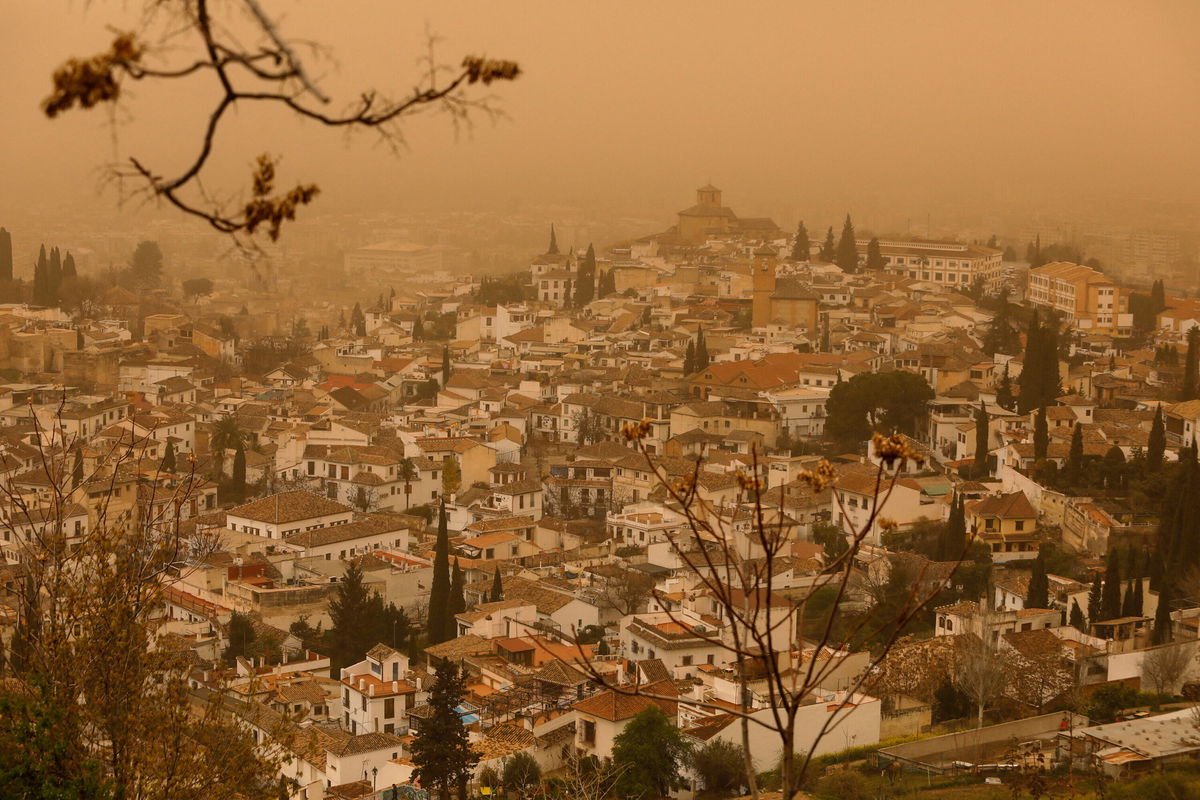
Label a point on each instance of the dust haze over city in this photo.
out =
(634, 400)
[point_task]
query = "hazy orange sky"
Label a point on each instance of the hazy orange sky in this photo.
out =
(890, 105)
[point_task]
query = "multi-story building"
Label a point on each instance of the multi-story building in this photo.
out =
(376, 695)
(1086, 297)
(393, 258)
(949, 264)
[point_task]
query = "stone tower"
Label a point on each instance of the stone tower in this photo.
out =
(764, 285)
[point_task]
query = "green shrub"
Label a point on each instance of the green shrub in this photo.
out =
(845, 785)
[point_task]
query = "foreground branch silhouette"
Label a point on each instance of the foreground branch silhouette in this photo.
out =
(776, 670)
(266, 71)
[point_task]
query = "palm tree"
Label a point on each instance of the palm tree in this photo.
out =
(227, 434)
(408, 473)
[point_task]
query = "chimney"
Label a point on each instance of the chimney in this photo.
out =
(395, 686)
(371, 690)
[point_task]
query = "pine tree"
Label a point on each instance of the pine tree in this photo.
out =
(1110, 598)
(1038, 595)
(875, 255)
(497, 593)
(439, 626)
(6, 262)
(702, 359)
(847, 248)
(552, 250)
(348, 610)
(1041, 435)
(1191, 366)
(801, 249)
(828, 248)
(1076, 619)
(1001, 337)
(1157, 445)
(981, 441)
(458, 600)
(1094, 600)
(441, 750)
(168, 462)
(1004, 392)
(689, 358)
(445, 365)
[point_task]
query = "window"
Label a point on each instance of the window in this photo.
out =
(588, 734)
(687, 661)
(1020, 524)
(389, 708)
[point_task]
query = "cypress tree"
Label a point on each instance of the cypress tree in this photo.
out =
(68, 267)
(1110, 598)
(238, 476)
(77, 468)
(1076, 620)
(824, 346)
(1158, 297)
(1191, 366)
(801, 248)
(552, 250)
(6, 262)
(458, 599)
(689, 358)
(847, 249)
(1038, 595)
(1094, 600)
(981, 441)
(875, 255)
(1157, 445)
(438, 628)
(1127, 602)
(1041, 435)
(54, 276)
(168, 462)
(702, 359)
(1051, 380)
(1138, 592)
(41, 279)
(1075, 456)
(585, 288)
(828, 248)
(1162, 618)
(445, 364)
(1031, 395)
(497, 593)
(1004, 392)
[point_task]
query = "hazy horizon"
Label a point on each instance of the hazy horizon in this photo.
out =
(891, 112)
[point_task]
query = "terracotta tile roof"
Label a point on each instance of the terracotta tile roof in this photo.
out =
(617, 706)
(288, 507)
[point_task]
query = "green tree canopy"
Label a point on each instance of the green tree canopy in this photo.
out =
(875, 401)
(649, 754)
(441, 751)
